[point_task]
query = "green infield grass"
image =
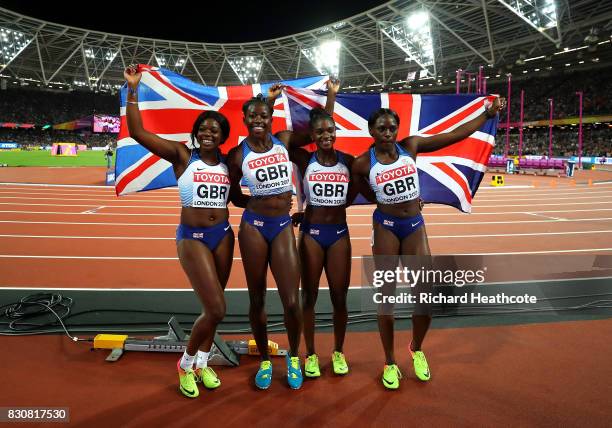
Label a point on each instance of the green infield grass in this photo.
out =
(44, 158)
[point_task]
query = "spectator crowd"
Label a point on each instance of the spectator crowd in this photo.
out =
(596, 87)
(596, 141)
(43, 107)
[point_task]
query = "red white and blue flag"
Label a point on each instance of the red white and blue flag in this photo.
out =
(169, 104)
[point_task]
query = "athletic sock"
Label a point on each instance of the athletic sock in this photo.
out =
(187, 361)
(201, 359)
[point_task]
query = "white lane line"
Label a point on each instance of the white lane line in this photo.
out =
(524, 205)
(584, 250)
(272, 288)
(93, 210)
(38, 198)
(535, 200)
(160, 238)
(454, 213)
(171, 207)
(13, 256)
(452, 223)
(72, 192)
(501, 235)
(172, 195)
(177, 208)
(82, 186)
(174, 189)
(135, 238)
(547, 216)
(514, 186)
(73, 213)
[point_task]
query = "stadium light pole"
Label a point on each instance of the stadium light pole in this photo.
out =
(550, 126)
(459, 72)
(508, 116)
(580, 93)
(520, 150)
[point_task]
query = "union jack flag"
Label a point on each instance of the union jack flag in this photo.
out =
(449, 176)
(169, 104)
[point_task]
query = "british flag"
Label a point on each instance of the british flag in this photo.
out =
(449, 176)
(169, 104)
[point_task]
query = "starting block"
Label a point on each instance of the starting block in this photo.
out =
(222, 353)
(497, 181)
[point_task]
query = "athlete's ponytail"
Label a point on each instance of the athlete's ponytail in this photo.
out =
(259, 99)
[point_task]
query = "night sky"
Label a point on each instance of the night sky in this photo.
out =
(202, 21)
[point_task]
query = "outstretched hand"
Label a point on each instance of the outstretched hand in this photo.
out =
(333, 85)
(275, 90)
(496, 106)
(132, 75)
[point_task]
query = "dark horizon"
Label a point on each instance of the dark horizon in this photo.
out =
(218, 23)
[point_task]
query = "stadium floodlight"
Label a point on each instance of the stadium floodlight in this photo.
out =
(247, 68)
(173, 62)
(539, 14)
(99, 53)
(12, 43)
(97, 60)
(325, 57)
(413, 36)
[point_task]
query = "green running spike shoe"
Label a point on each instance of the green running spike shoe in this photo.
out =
(311, 366)
(187, 382)
(391, 376)
(421, 368)
(339, 363)
(208, 377)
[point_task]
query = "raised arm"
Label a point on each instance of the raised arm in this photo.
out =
(300, 139)
(417, 144)
(236, 196)
(172, 151)
(333, 86)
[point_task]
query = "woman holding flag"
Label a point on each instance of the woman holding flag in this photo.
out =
(324, 240)
(266, 236)
(204, 238)
(387, 174)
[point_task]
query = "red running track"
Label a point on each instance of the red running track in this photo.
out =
(86, 237)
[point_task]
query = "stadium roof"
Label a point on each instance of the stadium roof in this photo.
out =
(380, 48)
